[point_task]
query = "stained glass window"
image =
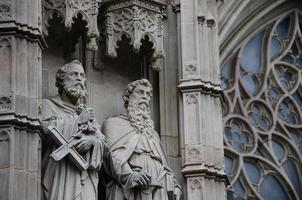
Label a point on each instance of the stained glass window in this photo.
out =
(262, 84)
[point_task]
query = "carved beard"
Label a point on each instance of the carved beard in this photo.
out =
(75, 90)
(140, 117)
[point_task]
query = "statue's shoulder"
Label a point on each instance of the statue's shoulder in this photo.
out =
(116, 124)
(115, 128)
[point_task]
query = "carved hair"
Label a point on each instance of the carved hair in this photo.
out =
(60, 75)
(130, 88)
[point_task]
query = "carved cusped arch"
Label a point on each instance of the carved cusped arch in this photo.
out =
(70, 9)
(261, 79)
(136, 19)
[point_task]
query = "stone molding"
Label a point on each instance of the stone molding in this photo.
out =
(10, 24)
(202, 86)
(204, 171)
(68, 10)
(136, 19)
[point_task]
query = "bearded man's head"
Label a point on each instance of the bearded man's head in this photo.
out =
(137, 98)
(70, 78)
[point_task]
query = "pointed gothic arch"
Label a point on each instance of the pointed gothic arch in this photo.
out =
(261, 76)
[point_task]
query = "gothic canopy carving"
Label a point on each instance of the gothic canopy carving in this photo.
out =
(135, 19)
(68, 9)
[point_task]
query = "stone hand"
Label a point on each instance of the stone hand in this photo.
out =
(140, 179)
(83, 143)
(177, 193)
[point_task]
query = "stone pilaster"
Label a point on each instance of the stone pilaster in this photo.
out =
(20, 90)
(202, 138)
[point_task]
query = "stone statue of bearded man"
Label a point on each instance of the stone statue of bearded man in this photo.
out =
(61, 178)
(137, 160)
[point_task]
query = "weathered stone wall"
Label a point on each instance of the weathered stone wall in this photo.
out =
(21, 43)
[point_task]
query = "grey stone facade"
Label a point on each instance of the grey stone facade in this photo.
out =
(178, 45)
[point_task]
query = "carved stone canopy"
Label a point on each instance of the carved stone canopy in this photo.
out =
(69, 9)
(135, 19)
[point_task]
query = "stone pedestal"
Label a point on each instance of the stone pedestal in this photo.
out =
(202, 138)
(20, 90)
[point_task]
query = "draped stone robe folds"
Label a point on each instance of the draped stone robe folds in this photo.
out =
(62, 180)
(130, 151)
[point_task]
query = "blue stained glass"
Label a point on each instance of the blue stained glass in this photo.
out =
(278, 150)
(288, 59)
(298, 98)
(295, 49)
(253, 172)
(285, 76)
(249, 84)
(226, 70)
(275, 47)
(271, 189)
(291, 170)
(291, 119)
(238, 139)
(297, 140)
(299, 63)
(239, 190)
(228, 165)
(250, 57)
(230, 195)
(235, 127)
(225, 75)
(282, 28)
(264, 123)
(228, 133)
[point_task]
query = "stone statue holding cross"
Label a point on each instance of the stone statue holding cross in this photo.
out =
(73, 146)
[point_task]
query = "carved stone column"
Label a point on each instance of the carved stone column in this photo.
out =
(20, 91)
(202, 138)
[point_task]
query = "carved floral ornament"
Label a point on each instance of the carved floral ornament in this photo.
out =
(5, 9)
(6, 103)
(4, 135)
(135, 19)
(195, 183)
(68, 9)
(193, 154)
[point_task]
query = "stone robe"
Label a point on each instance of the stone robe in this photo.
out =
(62, 180)
(130, 151)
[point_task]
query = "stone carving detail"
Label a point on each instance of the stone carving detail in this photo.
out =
(191, 69)
(137, 155)
(71, 8)
(195, 183)
(193, 154)
(135, 19)
(4, 135)
(81, 143)
(5, 42)
(5, 9)
(89, 11)
(192, 98)
(6, 103)
(49, 8)
(175, 5)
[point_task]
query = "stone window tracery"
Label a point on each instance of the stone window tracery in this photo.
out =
(262, 112)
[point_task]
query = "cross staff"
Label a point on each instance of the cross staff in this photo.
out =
(66, 149)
